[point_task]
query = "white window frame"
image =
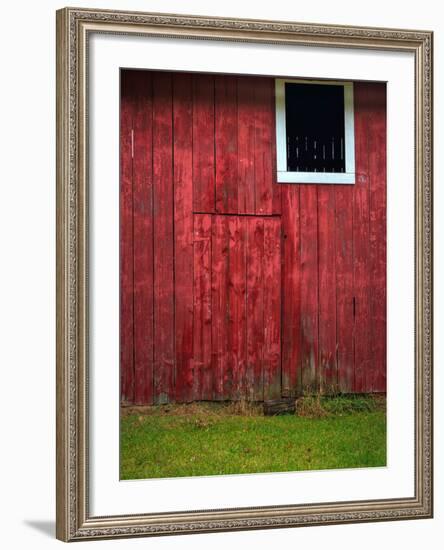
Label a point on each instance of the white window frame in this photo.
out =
(284, 176)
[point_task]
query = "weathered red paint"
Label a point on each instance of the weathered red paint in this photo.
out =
(263, 146)
(291, 291)
(255, 308)
(309, 286)
(202, 375)
(344, 287)
(272, 308)
(225, 98)
(163, 232)
(328, 375)
(246, 110)
(363, 354)
(143, 240)
(203, 148)
(128, 83)
(234, 286)
(378, 224)
(183, 235)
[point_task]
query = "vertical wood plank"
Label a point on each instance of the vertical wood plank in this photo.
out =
(327, 289)
(309, 287)
(126, 240)
(275, 187)
(255, 305)
(143, 239)
(163, 239)
(237, 321)
(263, 147)
(203, 374)
(226, 144)
(363, 353)
(219, 305)
(203, 143)
(272, 308)
(246, 144)
(183, 234)
(378, 229)
(291, 291)
(344, 287)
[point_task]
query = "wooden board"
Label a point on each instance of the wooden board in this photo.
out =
(164, 355)
(183, 235)
(344, 287)
(291, 291)
(328, 375)
(219, 308)
(363, 354)
(309, 287)
(202, 375)
(236, 294)
(226, 144)
(272, 308)
(264, 143)
(255, 308)
(246, 145)
(143, 239)
(203, 143)
(378, 228)
(126, 241)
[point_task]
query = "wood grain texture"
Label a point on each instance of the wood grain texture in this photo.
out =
(236, 294)
(226, 144)
(246, 145)
(272, 308)
(264, 140)
(309, 287)
(363, 354)
(143, 238)
(126, 240)
(291, 291)
(203, 143)
(344, 287)
(255, 308)
(183, 235)
(277, 190)
(378, 229)
(202, 375)
(164, 355)
(219, 307)
(328, 375)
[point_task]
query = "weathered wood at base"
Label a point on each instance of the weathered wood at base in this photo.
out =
(284, 405)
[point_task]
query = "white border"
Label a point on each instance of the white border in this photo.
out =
(109, 496)
(285, 176)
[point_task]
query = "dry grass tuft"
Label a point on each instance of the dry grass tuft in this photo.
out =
(200, 408)
(310, 406)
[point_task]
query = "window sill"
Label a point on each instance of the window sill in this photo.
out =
(347, 178)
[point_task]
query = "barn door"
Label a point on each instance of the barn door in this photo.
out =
(237, 304)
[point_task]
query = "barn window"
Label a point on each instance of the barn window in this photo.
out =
(315, 131)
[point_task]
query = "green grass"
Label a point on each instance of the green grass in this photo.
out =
(180, 441)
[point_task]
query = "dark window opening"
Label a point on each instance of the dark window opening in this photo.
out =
(315, 128)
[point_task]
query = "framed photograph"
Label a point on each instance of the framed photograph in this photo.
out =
(244, 274)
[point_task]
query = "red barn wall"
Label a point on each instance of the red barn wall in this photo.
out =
(233, 286)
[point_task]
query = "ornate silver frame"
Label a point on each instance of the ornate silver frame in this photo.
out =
(73, 519)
